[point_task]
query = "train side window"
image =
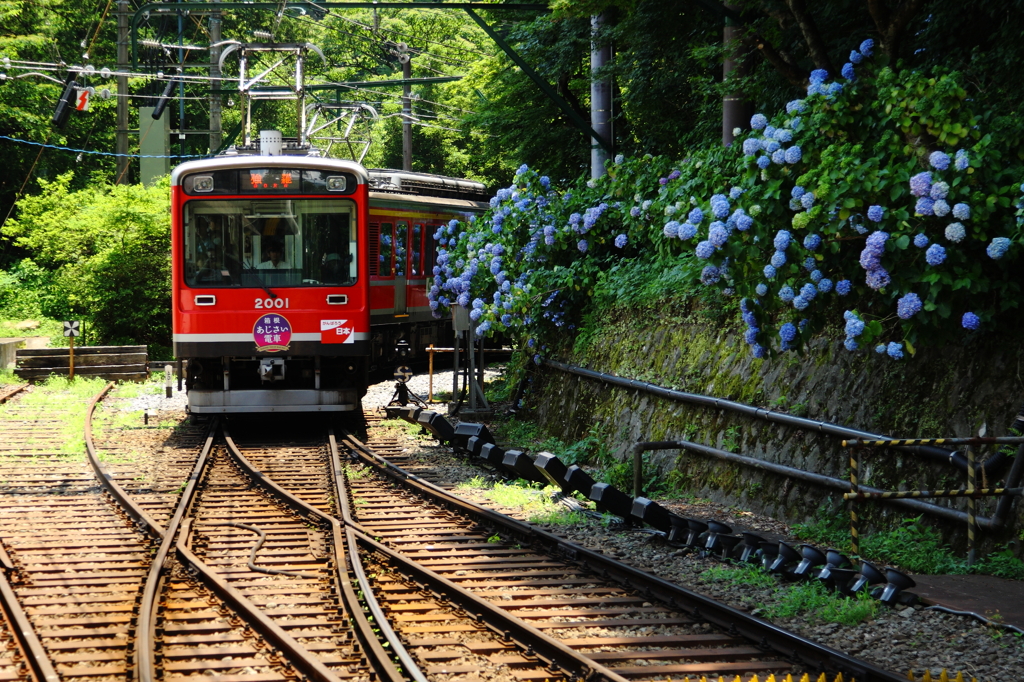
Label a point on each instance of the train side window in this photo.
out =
(385, 255)
(416, 251)
(401, 253)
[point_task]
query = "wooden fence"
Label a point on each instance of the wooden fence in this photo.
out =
(114, 363)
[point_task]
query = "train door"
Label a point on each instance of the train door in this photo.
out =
(401, 266)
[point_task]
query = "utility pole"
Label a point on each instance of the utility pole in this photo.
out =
(600, 99)
(215, 83)
(736, 109)
(121, 142)
(406, 111)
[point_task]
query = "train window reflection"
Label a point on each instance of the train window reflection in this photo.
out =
(270, 243)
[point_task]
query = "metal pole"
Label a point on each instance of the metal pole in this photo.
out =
(430, 374)
(407, 116)
(455, 367)
(854, 486)
(71, 357)
(736, 109)
(471, 376)
(181, 86)
(215, 98)
(972, 504)
(600, 100)
(121, 135)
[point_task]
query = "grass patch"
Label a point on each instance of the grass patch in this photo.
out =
(475, 483)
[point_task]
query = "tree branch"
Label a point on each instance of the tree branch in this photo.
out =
(790, 71)
(815, 44)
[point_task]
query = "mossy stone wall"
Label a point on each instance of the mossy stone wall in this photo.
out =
(948, 391)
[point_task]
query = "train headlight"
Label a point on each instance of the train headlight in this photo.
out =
(336, 183)
(203, 183)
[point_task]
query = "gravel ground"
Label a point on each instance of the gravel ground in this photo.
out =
(901, 639)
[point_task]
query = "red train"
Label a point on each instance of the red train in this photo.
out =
(296, 277)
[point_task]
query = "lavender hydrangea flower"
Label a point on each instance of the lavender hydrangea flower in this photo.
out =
(778, 259)
(671, 229)
(961, 211)
(955, 232)
(843, 287)
(786, 294)
(812, 242)
(920, 240)
(782, 240)
(866, 47)
(939, 190)
(925, 206)
(635, 211)
(871, 256)
(763, 162)
(787, 332)
(908, 306)
(940, 208)
(687, 231)
(875, 213)
(761, 289)
(962, 160)
(769, 271)
(847, 71)
(921, 184)
(758, 121)
(997, 248)
(939, 160)
(877, 279)
(704, 250)
(970, 321)
(582, 245)
(825, 285)
(620, 241)
(793, 155)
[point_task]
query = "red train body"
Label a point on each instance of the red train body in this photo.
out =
(295, 277)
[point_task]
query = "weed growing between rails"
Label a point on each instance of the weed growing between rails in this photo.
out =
(61, 399)
(522, 499)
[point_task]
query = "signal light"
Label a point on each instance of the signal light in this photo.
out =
(66, 102)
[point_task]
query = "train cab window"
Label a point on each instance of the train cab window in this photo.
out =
(401, 253)
(386, 253)
(416, 251)
(270, 243)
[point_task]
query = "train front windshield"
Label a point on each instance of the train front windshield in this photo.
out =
(270, 242)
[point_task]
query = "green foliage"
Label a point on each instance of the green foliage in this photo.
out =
(813, 601)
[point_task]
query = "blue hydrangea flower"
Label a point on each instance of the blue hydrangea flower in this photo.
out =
(880, 349)
(819, 76)
(940, 208)
(875, 213)
(671, 229)
(787, 332)
(939, 160)
(763, 162)
(921, 184)
(751, 146)
(696, 216)
(847, 71)
(796, 106)
(851, 344)
(939, 190)
(778, 259)
(783, 135)
(719, 206)
(769, 132)
(955, 232)
(710, 275)
(961, 211)
(997, 248)
(935, 255)
(801, 303)
(705, 250)
(687, 231)
(807, 200)
(866, 47)
(810, 263)
(854, 325)
(815, 89)
(750, 335)
(833, 89)
(635, 211)
(736, 192)
(925, 206)
(782, 240)
(758, 121)
(744, 222)
(970, 321)
(908, 306)
(808, 291)
(874, 247)
(779, 156)
(758, 351)
(895, 350)
(718, 234)
(877, 279)
(797, 191)
(825, 285)
(786, 294)
(582, 245)
(843, 287)
(812, 242)
(816, 276)
(620, 241)
(920, 240)
(761, 289)
(962, 160)
(463, 299)
(856, 57)
(769, 271)
(793, 155)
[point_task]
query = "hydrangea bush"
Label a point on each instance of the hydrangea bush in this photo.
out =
(880, 198)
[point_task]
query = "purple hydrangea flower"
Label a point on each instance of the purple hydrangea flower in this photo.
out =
(961, 211)
(847, 71)
(921, 184)
(935, 255)
(875, 213)
(955, 232)
(620, 241)
(939, 160)
(674, 175)
(704, 250)
(812, 242)
(921, 240)
(687, 231)
(758, 121)
(970, 321)
(997, 248)
(962, 160)
(843, 287)
(787, 332)
(793, 155)
(908, 306)
(778, 259)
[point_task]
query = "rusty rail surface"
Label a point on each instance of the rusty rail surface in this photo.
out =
(764, 635)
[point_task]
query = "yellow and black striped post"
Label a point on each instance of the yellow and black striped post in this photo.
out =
(958, 492)
(972, 508)
(902, 442)
(854, 489)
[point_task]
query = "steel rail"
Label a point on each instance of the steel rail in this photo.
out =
(142, 519)
(767, 635)
(13, 392)
(343, 562)
(25, 635)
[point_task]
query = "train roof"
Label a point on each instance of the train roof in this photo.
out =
(250, 161)
(389, 181)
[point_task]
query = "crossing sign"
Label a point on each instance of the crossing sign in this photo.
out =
(403, 374)
(72, 328)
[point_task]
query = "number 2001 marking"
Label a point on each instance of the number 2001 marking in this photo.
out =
(271, 303)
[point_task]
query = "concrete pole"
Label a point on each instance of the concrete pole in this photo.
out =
(407, 116)
(215, 83)
(121, 135)
(736, 109)
(600, 99)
